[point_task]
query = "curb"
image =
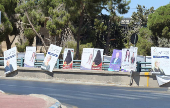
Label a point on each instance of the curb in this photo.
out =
(48, 99)
(56, 105)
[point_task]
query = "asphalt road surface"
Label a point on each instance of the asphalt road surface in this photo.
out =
(92, 96)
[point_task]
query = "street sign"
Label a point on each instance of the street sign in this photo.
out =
(134, 38)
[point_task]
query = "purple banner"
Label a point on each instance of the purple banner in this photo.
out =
(115, 62)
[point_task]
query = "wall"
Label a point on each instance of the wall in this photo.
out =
(117, 78)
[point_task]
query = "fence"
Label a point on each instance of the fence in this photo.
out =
(58, 65)
(76, 64)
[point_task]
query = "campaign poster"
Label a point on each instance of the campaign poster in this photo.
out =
(68, 58)
(87, 59)
(116, 59)
(97, 59)
(129, 59)
(133, 58)
(51, 58)
(10, 60)
(30, 56)
(160, 60)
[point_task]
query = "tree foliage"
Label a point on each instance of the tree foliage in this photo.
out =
(49, 12)
(79, 11)
(138, 25)
(159, 24)
(8, 26)
(159, 21)
(113, 6)
(144, 43)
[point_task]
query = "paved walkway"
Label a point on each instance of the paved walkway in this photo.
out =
(22, 101)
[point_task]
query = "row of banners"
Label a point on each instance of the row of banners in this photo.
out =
(91, 59)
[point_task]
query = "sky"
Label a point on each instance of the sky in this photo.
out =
(147, 3)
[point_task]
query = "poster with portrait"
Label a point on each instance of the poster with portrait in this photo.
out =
(97, 59)
(160, 59)
(30, 56)
(68, 58)
(51, 58)
(129, 57)
(10, 60)
(133, 58)
(87, 59)
(116, 59)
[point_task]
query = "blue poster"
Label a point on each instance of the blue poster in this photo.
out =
(115, 62)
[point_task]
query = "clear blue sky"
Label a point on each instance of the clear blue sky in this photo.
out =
(147, 3)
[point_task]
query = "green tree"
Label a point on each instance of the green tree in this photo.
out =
(8, 20)
(101, 33)
(159, 23)
(50, 12)
(144, 43)
(113, 7)
(138, 21)
(58, 17)
(30, 16)
(100, 27)
(79, 10)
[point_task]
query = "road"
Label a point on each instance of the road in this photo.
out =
(92, 96)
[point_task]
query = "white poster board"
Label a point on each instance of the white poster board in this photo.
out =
(97, 59)
(87, 59)
(129, 57)
(51, 58)
(30, 56)
(68, 58)
(10, 60)
(160, 59)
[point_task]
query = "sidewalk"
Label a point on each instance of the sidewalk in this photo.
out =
(27, 101)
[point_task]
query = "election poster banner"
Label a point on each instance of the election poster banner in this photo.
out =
(160, 60)
(68, 58)
(30, 56)
(51, 58)
(125, 60)
(129, 59)
(133, 58)
(116, 59)
(97, 59)
(87, 59)
(10, 60)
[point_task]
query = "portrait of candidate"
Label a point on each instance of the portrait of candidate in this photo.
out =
(45, 65)
(116, 60)
(133, 59)
(33, 57)
(157, 68)
(98, 59)
(8, 67)
(90, 59)
(68, 58)
(31, 61)
(127, 56)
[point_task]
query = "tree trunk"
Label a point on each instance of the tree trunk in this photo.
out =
(108, 38)
(36, 31)
(78, 32)
(8, 43)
